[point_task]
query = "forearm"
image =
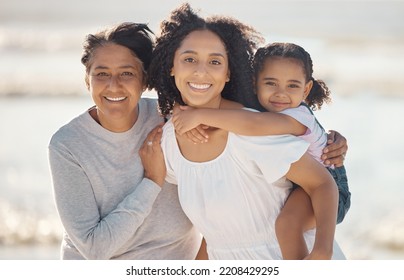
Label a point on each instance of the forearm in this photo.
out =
(96, 236)
(202, 253)
(101, 237)
(250, 123)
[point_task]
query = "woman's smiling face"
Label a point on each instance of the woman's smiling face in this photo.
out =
(115, 81)
(201, 69)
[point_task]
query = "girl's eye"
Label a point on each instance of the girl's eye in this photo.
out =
(215, 62)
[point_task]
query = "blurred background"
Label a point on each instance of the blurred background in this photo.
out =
(357, 48)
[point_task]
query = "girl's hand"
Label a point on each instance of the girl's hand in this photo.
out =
(335, 152)
(186, 121)
(152, 156)
(198, 134)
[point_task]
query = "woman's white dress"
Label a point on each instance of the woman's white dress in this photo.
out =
(234, 199)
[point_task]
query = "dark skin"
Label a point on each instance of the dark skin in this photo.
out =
(336, 149)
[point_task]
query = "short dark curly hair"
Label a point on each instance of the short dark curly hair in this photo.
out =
(240, 41)
(137, 37)
(319, 93)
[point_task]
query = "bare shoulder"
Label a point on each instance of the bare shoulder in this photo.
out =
(228, 104)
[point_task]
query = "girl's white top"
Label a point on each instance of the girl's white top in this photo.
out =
(315, 134)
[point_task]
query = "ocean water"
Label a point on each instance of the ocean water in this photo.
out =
(357, 48)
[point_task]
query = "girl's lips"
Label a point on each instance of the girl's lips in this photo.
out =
(279, 103)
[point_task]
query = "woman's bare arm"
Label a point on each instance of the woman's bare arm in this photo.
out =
(202, 253)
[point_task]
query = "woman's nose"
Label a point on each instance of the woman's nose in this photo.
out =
(200, 69)
(114, 82)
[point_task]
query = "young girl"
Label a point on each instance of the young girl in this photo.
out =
(233, 187)
(284, 83)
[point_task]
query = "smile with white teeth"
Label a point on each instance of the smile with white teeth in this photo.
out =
(200, 86)
(115, 99)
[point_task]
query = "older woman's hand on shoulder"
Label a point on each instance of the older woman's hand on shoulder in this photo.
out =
(152, 156)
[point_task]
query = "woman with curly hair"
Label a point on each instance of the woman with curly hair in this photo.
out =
(232, 187)
(284, 84)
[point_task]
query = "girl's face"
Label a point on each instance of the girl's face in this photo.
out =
(281, 84)
(115, 81)
(201, 69)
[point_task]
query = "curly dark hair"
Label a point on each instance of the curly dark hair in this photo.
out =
(240, 41)
(319, 92)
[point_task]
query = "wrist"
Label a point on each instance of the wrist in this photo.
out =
(158, 179)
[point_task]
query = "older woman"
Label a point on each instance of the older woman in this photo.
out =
(108, 171)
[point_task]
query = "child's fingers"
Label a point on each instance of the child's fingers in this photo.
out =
(191, 137)
(195, 136)
(202, 132)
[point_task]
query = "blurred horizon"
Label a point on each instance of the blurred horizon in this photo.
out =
(352, 43)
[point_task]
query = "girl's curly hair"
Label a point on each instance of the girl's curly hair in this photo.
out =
(240, 41)
(319, 92)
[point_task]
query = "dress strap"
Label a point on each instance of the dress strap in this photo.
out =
(307, 106)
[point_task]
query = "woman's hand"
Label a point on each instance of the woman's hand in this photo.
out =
(152, 156)
(335, 152)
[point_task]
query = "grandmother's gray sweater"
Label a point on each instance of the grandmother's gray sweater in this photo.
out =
(108, 209)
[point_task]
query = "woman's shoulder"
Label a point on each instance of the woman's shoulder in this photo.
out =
(269, 156)
(72, 128)
(228, 104)
(149, 104)
(149, 113)
(263, 142)
(149, 101)
(168, 129)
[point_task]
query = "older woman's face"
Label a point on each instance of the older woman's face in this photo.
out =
(116, 82)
